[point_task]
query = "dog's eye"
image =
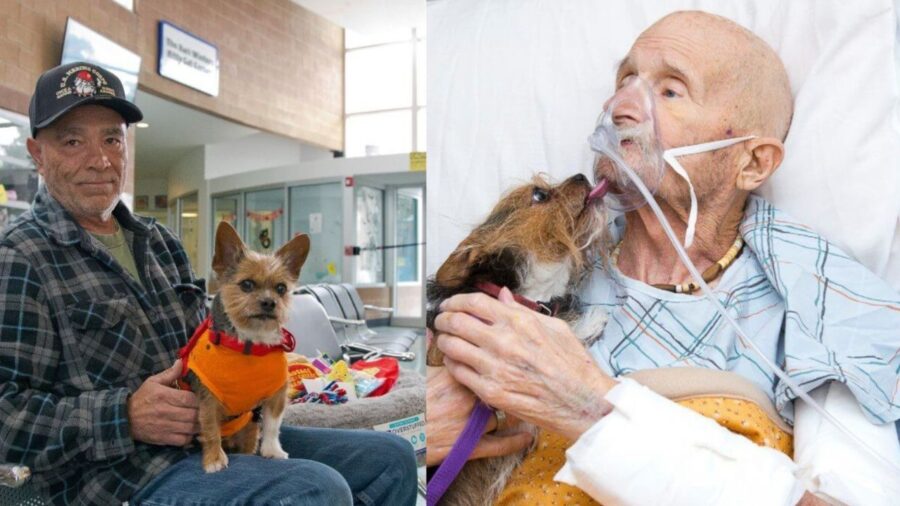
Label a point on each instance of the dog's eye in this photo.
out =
(247, 285)
(540, 195)
(280, 288)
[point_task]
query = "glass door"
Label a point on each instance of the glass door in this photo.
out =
(407, 254)
(370, 235)
(265, 220)
(227, 208)
(317, 210)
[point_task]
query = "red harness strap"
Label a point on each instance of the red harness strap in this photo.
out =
(246, 347)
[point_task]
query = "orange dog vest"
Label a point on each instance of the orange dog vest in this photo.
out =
(239, 374)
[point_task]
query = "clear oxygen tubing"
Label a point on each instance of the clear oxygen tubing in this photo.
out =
(707, 292)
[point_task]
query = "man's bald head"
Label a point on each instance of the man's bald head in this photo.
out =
(748, 76)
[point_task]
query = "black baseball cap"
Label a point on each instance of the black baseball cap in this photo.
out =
(65, 87)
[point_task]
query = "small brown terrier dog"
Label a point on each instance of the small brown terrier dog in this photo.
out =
(235, 362)
(540, 241)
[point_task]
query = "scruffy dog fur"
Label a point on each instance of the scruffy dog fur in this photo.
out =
(252, 305)
(540, 241)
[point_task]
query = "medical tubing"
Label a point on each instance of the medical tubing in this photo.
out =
(682, 255)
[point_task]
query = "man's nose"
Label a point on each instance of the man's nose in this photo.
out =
(628, 113)
(630, 104)
(98, 159)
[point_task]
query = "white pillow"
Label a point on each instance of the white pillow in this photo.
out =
(515, 86)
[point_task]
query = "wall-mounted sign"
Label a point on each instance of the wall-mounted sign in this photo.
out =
(188, 59)
(417, 161)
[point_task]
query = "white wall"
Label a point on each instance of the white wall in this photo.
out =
(151, 186)
(310, 171)
(257, 151)
(186, 174)
(186, 177)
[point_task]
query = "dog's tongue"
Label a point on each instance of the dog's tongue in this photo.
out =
(599, 191)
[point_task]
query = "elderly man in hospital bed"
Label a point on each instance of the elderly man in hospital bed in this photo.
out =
(831, 324)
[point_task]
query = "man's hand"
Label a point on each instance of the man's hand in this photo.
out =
(525, 363)
(449, 406)
(810, 499)
(161, 414)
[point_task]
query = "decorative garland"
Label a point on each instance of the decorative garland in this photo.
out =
(265, 215)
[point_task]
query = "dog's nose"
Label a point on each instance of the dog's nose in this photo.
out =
(579, 178)
(268, 305)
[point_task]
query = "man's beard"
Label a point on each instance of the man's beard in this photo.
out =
(638, 149)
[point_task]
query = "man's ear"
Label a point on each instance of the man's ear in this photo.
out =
(34, 149)
(766, 154)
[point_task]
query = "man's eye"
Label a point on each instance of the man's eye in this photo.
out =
(247, 285)
(280, 288)
(668, 93)
(72, 142)
(539, 195)
(624, 81)
(114, 141)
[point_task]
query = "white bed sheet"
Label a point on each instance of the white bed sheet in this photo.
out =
(515, 87)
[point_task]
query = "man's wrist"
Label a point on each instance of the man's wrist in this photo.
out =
(594, 405)
(110, 427)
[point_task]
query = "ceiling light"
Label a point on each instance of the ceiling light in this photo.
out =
(142, 125)
(188, 215)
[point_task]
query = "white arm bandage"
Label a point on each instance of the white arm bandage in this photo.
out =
(832, 466)
(650, 450)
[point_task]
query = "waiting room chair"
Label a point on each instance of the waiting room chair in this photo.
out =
(346, 312)
(14, 487)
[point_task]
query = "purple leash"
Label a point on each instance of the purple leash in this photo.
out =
(459, 454)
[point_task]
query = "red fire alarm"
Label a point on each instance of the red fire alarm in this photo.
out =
(348, 181)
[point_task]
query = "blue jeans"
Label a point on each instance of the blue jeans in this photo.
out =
(326, 467)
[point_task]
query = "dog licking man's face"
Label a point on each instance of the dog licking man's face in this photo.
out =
(255, 289)
(533, 224)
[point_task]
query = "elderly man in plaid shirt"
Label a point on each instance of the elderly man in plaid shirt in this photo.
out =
(94, 304)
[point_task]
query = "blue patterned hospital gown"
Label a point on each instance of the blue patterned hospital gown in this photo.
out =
(809, 307)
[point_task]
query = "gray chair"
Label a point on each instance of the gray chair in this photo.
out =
(315, 334)
(346, 312)
(14, 487)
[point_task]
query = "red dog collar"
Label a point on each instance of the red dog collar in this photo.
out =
(494, 291)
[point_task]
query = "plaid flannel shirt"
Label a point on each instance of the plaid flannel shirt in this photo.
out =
(78, 335)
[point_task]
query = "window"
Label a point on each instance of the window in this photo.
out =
(370, 235)
(409, 240)
(128, 4)
(18, 177)
(384, 96)
(265, 220)
(317, 210)
(227, 208)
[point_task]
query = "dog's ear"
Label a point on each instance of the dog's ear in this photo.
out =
(294, 253)
(456, 270)
(230, 249)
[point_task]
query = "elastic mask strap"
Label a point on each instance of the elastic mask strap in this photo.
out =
(669, 156)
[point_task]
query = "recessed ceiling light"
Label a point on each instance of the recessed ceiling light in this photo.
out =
(142, 125)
